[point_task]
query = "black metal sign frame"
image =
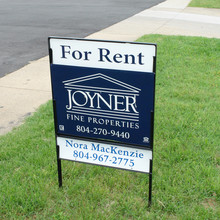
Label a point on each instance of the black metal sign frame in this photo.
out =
(59, 134)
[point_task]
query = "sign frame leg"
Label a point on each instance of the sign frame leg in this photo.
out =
(150, 184)
(59, 167)
(151, 161)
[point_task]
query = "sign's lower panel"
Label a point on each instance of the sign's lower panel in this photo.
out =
(105, 154)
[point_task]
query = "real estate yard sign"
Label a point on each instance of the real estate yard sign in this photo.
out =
(103, 95)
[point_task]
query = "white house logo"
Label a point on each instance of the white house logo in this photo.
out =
(110, 99)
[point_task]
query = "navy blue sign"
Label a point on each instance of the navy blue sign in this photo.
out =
(102, 103)
(103, 90)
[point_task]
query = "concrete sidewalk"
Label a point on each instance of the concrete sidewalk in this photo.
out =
(171, 17)
(24, 90)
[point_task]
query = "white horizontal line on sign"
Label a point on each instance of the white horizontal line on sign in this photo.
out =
(104, 154)
(105, 115)
(115, 114)
(100, 89)
(106, 111)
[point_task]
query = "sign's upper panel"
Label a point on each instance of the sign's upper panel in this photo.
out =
(106, 55)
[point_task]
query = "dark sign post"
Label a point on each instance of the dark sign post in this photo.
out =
(103, 99)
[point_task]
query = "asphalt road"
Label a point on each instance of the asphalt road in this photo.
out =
(26, 24)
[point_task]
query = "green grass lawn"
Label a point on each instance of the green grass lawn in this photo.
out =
(205, 3)
(186, 183)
